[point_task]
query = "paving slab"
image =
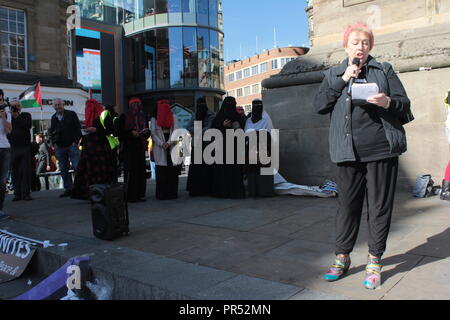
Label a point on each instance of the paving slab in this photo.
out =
(264, 248)
(427, 281)
(246, 288)
(227, 253)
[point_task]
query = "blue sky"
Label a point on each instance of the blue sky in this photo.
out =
(244, 20)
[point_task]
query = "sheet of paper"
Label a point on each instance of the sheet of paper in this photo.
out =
(362, 91)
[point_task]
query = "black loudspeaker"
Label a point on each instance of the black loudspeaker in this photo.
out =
(109, 211)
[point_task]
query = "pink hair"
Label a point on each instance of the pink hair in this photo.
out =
(358, 27)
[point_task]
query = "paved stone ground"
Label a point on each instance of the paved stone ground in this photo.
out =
(272, 248)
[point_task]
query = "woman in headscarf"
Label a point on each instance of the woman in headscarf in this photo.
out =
(228, 179)
(260, 122)
(162, 124)
(133, 134)
(96, 164)
(199, 177)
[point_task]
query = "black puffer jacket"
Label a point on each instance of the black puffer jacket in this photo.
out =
(332, 98)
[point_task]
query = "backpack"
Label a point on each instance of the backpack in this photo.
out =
(423, 187)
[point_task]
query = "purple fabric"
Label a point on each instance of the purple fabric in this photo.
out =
(52, 283)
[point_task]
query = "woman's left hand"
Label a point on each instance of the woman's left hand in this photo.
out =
(380, 100)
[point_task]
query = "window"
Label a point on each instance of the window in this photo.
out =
(13, 39)
(247, 73)
(174, 9)
(149, 60)
(263, 67)
(239, 92)
(213, 13)
(204, 57)
(189, 11)
(255, 88)
(190, 57)
(231, 93)
(247, 91)
(163, 65)
(231, 77)
(239, 75)
(176, 57)
(255, 70)
(274, 64)
(146, 8)
(161, 6)
(215, 59)
(283, 62)
(203, 12)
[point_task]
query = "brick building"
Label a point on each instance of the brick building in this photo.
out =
(36, 46)
(243, 78)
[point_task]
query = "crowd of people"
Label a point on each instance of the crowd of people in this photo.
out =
(105, 145)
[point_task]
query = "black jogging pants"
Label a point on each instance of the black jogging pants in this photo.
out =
(356, 180)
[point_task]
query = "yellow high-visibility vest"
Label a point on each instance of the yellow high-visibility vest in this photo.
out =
(113, 141)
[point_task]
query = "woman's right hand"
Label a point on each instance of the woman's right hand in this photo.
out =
(352, 72)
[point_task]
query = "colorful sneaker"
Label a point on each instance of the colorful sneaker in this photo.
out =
(373, 273)
(338, 269)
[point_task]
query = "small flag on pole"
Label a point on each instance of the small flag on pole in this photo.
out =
(31, 98)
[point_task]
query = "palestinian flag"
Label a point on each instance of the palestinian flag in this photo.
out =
(31, 98)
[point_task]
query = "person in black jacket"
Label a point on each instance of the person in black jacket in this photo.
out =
(20, 140)
(366, 138)
(65, 134)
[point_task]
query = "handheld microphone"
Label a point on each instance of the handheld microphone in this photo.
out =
(356, 61)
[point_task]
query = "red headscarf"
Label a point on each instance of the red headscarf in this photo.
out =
(92, 110)
(164, 114)
(134, 117)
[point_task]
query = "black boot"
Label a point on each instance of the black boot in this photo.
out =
(445, 192)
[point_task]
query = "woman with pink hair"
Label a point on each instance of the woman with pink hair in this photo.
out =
(366, 139)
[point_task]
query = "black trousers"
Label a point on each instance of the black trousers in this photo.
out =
(376, 181)
(21, 170)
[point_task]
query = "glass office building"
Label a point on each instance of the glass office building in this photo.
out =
(172, 48)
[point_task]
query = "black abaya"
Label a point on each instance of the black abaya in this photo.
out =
(228, 179)
(132, 153)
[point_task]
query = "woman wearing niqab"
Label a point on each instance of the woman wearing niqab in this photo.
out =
(228, 180)
(199, 181)
(259, 184)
